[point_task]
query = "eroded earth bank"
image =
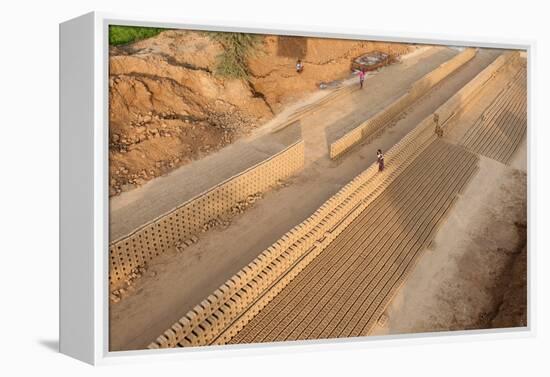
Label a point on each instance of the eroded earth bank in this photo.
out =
(169, 107)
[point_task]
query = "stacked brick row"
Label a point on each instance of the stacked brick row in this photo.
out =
(183, 222)
(382, 118)
(343, 292)
(498, 132)
(218, 318)
(468, 91)
(222, 314)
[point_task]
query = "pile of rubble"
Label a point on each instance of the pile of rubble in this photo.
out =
(224, 220)
(214, 223)
(188, 242)
(241, 206)
(231, 122)
(238, 208)
(137, 272)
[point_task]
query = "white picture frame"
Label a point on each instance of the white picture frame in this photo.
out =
(84, 298)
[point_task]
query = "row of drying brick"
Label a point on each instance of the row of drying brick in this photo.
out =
(498, 132)
(340, 219)
(321, 295)
(228, 309)
(458, 101)
(183, 222)
(417, 89)
(339, 92)
(222, 314)
(424, 132)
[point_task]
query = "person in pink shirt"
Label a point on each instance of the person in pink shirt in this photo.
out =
(361, 77)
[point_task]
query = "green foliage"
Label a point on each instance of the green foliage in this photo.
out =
(120, 35)
(238, 47)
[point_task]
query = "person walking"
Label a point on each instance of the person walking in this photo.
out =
(361, 77)
(380, 159)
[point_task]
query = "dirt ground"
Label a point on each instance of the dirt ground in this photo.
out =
(176, 281)
(168, 106)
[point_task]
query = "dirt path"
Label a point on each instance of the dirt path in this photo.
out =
(176, 282)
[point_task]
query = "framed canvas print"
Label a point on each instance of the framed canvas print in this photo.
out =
(232, 189)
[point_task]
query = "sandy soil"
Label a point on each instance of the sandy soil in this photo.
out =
(473, 274)
(175, 282)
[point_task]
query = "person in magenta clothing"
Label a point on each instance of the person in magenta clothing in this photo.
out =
(361, 77)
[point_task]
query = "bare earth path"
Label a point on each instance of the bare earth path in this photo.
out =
(176, 282)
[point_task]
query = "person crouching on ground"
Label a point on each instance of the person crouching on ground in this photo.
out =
(380, 159)
(361, 78)
(299, 66)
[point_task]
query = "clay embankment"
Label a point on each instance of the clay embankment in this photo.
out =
(168, 107)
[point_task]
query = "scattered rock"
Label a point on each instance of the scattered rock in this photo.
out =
(115, 296)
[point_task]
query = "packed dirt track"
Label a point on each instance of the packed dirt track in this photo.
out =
(327, 246)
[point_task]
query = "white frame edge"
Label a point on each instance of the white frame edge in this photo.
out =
(84, 203)
(76, 180)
